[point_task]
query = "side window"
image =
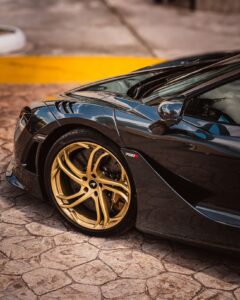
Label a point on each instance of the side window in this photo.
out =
(221, 104)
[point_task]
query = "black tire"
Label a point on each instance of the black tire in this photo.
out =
(87, 135)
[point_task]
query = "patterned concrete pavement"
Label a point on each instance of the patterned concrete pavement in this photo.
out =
(41, 257)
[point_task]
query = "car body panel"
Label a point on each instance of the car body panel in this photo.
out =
(86, 113)
(163, 212)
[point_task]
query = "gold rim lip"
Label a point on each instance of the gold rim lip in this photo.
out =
(121, 192)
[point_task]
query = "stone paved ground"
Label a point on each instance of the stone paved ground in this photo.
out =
(41, 257)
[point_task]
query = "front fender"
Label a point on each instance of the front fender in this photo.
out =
(97, 117)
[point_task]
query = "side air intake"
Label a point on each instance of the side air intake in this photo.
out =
(64, 107)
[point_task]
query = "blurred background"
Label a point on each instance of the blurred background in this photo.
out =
(144, 30)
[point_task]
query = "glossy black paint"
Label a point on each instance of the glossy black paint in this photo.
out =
(186, 174)
(164, 212)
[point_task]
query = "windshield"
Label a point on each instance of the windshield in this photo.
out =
(177, 87)
(117, 85)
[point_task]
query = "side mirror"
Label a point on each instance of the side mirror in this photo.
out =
(170, 111)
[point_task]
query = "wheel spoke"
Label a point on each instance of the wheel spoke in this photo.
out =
(123, 174)
(90, 161)
(72, 167)
(79, 201)
(113, 201)
(114, 190)
(114, 219)
(113, 183)
(78, 194)
(98, 212)
(104, 208)
(54, 172)
(83, 145)
(74, 215)
(69, 174)
(98, 161)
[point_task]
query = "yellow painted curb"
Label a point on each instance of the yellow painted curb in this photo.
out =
(66, 69)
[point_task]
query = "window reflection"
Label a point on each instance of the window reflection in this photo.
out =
(221, 104)
(121, 86)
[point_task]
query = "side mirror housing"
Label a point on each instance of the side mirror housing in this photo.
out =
(170, 111)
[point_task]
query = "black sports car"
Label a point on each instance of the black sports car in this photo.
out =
(158, 148)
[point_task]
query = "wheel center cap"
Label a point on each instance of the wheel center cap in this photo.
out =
(93, 184)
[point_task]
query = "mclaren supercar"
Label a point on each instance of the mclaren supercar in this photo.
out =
(158, 148)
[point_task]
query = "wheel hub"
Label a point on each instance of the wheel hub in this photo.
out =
(93, 184)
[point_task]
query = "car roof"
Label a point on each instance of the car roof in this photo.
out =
(235, 59)
(179, 74)
(207, 58)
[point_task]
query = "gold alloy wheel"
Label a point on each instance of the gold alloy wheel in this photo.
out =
(90, 185)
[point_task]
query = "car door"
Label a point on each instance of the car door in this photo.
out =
(199, 157)
(217, 113)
